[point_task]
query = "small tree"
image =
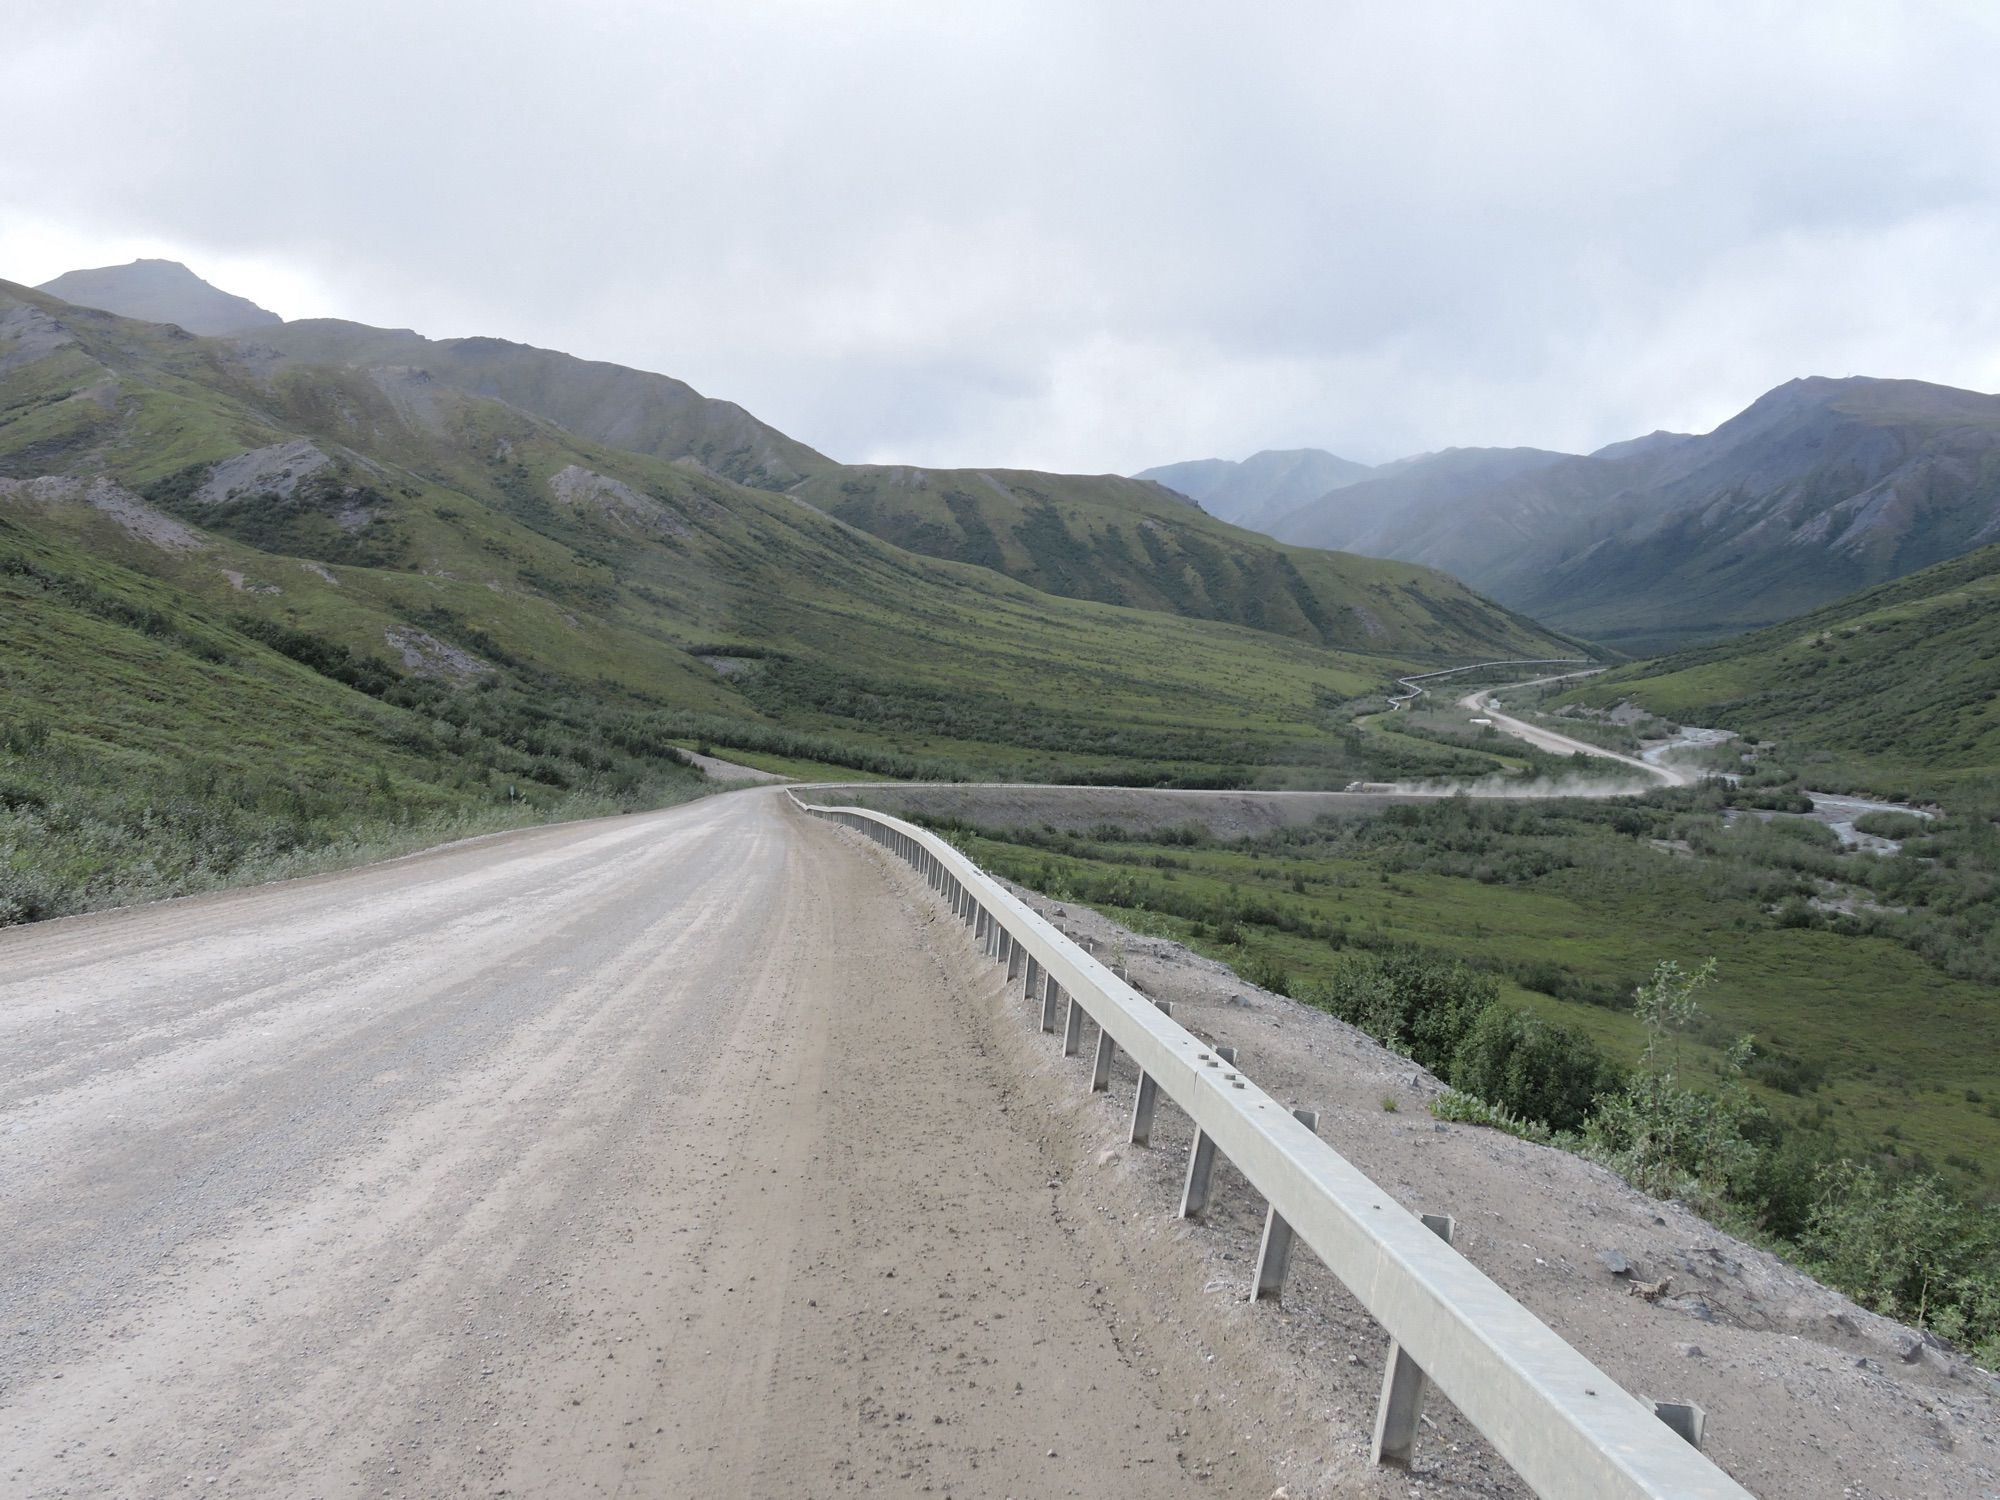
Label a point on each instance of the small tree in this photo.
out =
(1662, 1137)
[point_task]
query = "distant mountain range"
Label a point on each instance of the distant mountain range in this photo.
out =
(1818, 488)
(1263, 488)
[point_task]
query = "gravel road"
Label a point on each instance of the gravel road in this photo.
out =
(1543, 738)
(658, 1155)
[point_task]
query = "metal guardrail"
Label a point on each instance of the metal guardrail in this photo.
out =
(1562, 1424)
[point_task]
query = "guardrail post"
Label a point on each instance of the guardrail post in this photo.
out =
(1403, 1385)
(1275, 1253)
(1034, 973)
(1687, 1419)
(1016, 956)
(1148, 1097)
(1073, 1028)
(1201, 1164)
(1100, 1070)
(1050, 992)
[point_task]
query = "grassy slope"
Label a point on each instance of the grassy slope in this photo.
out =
(150, 747)
(1897, 687)
(1125, 541)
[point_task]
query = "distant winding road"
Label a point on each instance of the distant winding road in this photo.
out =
(1561, 744)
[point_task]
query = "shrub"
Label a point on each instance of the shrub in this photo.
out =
(1266, 973)
(1907, 1249)
(1419, 1004)
(1532, 1068)
(1673, 1142)
(1892, 825)
(1465, 1109)
(1667, 1140)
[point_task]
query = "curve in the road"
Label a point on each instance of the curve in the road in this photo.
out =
(1543, 738)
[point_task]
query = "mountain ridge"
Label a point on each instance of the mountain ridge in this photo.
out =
(1139, 544)
(1260, 488)
(1820, 487)
(635, 410)
(161, 291)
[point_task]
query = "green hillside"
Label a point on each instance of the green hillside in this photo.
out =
(1132, 542)
(1896, 687)
(310, 605)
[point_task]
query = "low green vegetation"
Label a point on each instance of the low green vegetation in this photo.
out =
(1843, 1055)
(1892, 825)
(148, 749)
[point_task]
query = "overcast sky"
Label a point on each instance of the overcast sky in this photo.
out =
(1071, 235)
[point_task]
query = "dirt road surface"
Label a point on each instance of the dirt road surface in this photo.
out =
(1561, 744)
(649, 1156)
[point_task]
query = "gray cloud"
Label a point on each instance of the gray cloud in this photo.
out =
(1089, 236)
